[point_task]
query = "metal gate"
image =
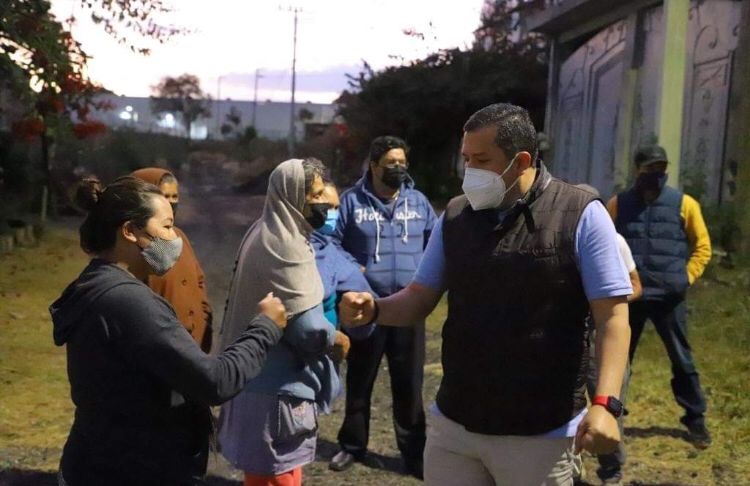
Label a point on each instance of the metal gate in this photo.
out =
(589, 102)
(712, 40)
(591, 89)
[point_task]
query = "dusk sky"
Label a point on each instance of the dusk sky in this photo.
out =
(233, 38)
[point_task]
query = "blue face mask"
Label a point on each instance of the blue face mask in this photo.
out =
(330, 225)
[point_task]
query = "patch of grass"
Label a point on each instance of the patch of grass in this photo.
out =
(35, 406)
(720, 338)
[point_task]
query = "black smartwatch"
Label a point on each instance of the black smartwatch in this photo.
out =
(612, 404)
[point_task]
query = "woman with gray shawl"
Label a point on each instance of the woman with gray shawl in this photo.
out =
(269, 429)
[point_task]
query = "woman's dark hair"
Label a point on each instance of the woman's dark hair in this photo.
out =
(126, 199)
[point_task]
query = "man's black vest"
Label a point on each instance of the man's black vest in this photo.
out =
(656, 235)
(514, 343)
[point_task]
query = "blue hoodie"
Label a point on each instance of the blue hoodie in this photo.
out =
(339, 274)
(388, 242)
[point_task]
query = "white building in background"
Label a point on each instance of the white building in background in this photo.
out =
(271, 119)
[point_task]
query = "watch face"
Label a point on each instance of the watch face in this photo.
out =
(615, 406)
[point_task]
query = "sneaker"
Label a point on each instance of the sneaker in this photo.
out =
(697, 432)
(342, 461)
(610, 476)
(414, 467)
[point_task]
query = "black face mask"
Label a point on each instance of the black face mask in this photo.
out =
(394, 176)
(318, 214)
(174, 209)
(651, 181)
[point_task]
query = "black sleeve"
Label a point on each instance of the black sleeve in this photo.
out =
(154, 340)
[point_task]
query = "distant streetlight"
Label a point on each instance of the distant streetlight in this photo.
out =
(128, 114)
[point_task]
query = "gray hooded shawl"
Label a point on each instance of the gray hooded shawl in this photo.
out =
(275, 256)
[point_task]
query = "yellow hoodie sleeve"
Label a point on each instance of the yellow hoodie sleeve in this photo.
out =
(698, 239)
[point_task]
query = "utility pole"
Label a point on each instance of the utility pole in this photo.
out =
(218, 105)
(292, 127)
(255, 96)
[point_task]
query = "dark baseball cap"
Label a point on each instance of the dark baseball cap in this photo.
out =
(648, 154)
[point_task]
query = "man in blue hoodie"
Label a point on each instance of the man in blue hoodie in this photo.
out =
(384, 223)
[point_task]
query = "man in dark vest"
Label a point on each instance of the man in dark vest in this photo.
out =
(671, 247)
(523, 257)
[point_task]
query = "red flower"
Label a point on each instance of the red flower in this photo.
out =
(50, 103)
(341, 129)
(72, 84)
(28, 128)
(89, 129)
(83, 112)
(57, 105)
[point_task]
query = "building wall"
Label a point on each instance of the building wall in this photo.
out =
(712, 42)
(271, 120)
(586, 116)
(613, 89)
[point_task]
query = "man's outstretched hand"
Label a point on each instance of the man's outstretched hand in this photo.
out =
(356, 309)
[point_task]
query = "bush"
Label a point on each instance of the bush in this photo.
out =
(722, 222)
(21, 178)
(120, 152)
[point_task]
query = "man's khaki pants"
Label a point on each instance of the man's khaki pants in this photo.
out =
(455, 457)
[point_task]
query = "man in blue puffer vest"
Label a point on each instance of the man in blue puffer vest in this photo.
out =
(671, 247)
(384, 223)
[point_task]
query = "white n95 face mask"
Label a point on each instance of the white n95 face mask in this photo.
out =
(485, 189)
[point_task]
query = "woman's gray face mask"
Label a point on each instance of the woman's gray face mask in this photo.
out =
(161, 254)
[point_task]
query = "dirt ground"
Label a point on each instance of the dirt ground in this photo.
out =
(35, 409)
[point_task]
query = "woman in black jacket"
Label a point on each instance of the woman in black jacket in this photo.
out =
(140, 384)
